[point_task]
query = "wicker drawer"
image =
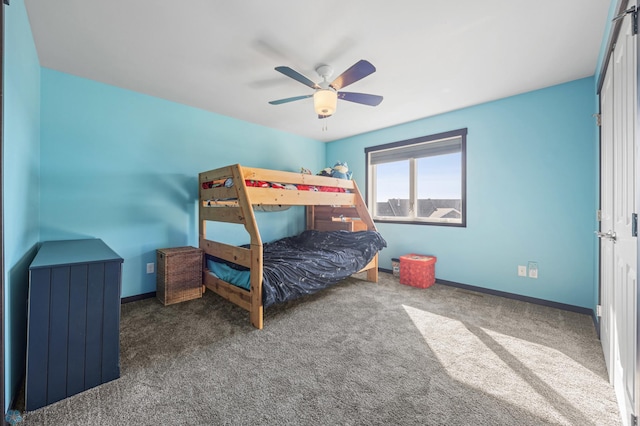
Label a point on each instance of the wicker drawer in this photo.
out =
(179, 275)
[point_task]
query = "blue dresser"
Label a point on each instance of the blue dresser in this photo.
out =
(73, 332)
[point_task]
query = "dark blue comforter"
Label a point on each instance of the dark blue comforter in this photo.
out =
(314, 260)
(311, 261)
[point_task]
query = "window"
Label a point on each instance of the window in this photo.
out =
(419, 181)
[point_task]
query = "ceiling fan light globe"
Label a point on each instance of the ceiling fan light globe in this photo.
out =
(325, 101)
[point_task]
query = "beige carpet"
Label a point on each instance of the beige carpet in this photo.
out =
(356, 354)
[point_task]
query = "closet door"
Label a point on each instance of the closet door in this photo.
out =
(618, 232)
(624, 198)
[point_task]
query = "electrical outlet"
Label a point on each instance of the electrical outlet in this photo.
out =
(150, 268)
(522, 271)
(533, 270)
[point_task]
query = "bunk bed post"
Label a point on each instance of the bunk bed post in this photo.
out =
(372, 273)
(256, 313)
(250, 224)
(202, 228)
(311, 219)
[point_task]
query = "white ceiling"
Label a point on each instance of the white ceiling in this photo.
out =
(431, 56)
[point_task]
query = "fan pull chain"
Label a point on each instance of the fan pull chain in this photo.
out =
(325, 127)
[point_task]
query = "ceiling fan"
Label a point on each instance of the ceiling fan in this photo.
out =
(327, 94)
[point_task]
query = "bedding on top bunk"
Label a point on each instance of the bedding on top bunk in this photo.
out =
(228, 183)
(305, 263)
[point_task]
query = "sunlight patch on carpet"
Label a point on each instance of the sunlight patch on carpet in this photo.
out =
(525, 374)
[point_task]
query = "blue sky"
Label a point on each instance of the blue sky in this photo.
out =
(438, 177)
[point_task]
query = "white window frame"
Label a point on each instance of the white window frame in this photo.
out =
(413, 149)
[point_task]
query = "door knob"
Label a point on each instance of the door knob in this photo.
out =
(610, 235)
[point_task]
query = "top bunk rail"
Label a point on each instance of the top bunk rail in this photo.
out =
(220, 188)
(256, 174)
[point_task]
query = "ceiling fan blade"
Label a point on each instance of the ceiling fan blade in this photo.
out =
(324, 116)
(284, 101)
(360, 98)
(297, 76)
(358, 71)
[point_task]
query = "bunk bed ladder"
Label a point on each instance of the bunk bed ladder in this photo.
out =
(363, 213)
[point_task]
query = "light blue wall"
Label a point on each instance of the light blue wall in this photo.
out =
(21, 168)
(530, 194)
(123, 167)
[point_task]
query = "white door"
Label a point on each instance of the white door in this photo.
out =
(606, 221)
(624, 198)
(619, 244)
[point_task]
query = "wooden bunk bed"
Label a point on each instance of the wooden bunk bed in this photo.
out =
(226, 195)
